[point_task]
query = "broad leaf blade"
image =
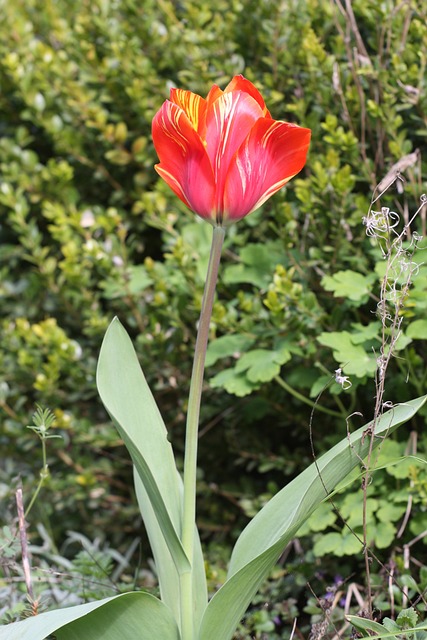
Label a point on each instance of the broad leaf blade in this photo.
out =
(265, 537)
(167, 574)
(128, 399)
(127, 616)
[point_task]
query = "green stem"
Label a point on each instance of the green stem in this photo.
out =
(310, 403)
(193, 412)
(43, 475)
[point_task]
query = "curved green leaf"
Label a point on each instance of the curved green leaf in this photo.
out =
(167, 574)
(127, 616)
(128, 399)
(363, 624)
(265, 537)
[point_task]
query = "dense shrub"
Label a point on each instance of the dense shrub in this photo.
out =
(88, 231)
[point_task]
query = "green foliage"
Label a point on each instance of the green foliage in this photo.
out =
(405, 626)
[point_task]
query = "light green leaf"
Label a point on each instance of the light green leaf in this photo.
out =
(226, 346)
(258, 262)
(368, 625)
(365, 332)
(323, 518)
(390, 625)
(349, 284)
(233, 382)
(261, 365)
(417, 330)
(363, 624)
(407, 618)
(265, 537)
(198, 237)
(352, 511)
(126, 616)
(138, 281)
(352, 358)
(390, 511)
(383, 534)
(338, 544)
(128, 400)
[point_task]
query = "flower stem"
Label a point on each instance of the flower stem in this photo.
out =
(193, 412)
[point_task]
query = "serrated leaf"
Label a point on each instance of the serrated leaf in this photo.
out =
(352, 358)
(126, 616)
(338, 544)
(363, 333)
(407, 618)
(263, 540)
(349, 284)
(390, 512)
(323, 518)
(233, 382)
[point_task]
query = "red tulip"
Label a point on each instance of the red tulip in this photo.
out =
(224, 156)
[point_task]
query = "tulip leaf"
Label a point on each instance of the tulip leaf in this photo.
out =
(263, 540)
(167, 573)
(128, 400)
(126, 616)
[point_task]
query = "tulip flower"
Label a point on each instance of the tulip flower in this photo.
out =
(224, 156)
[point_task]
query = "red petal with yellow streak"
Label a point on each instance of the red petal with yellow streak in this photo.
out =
(228, 123)
(184, 163)
(239, 83)
(272, 154)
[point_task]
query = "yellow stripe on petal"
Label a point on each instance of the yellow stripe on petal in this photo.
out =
(193, 105)
(184, 163)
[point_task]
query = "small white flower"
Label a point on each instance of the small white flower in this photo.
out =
(344, 381)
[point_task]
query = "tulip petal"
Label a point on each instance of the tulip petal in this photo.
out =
(184, 163)
(228, 122)
(193, 105)
(239, 83)
(272, 154)
(214, 93)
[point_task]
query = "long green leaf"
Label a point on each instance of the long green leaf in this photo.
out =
(265, 537)
(363, 624)
(129, 616)
(128, 399)
(165, 567)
